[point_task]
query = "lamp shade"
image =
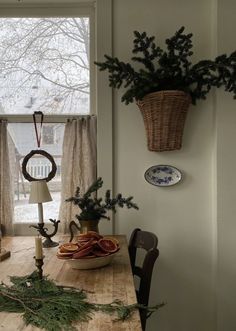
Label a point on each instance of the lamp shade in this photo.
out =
(39, 192)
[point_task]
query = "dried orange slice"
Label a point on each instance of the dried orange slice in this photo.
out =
(107, 245)
(89, 243)
(116, 241)
(82, 253)
(68, 247)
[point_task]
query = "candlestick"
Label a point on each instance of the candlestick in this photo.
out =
(40, 212)
(43, 231)
(38, 248)
(39, 265)
(39, 193)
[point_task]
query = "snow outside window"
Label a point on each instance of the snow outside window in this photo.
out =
(45, 65)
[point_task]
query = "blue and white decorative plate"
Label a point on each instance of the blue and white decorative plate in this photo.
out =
(162, 175)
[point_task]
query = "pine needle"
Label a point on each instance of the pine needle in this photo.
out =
(56, 308)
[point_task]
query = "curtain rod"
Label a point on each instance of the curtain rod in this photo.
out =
(47, 119)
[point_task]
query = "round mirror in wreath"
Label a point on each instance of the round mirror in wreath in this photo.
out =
(45, 154)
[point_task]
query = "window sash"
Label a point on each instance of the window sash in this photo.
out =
(100, 12)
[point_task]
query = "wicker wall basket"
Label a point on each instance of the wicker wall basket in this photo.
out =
(164, 115)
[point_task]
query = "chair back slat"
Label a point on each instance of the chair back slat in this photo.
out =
(145, 240)
(148, 241)
(145, 280)
(138, 271)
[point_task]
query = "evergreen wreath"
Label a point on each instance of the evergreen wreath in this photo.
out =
(93, 208)
(169, 69)
(51, 307)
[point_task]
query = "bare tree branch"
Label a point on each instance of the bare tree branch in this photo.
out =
(45, 54)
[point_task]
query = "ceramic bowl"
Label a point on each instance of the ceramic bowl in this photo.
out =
(90, 263)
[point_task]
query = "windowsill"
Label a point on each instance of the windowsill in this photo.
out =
(26, 229)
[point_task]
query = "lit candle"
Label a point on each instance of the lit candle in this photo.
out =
(38, 248)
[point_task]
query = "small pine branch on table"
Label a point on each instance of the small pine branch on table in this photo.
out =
(48, 306)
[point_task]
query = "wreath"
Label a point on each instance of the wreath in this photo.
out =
(51, 174)
(25, 173)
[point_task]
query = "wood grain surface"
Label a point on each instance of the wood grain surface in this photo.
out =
(104, 285)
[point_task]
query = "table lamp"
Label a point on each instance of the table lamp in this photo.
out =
(39, 194)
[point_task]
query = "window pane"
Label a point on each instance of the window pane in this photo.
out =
(48, 135)
(44, 65)
(21, 141)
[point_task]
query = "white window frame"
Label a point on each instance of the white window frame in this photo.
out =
(100, 12)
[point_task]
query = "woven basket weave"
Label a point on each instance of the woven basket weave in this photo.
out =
(164, 115)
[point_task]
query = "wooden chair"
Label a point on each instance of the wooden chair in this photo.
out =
(147, 241)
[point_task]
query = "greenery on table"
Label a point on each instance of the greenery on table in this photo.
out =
(55, 308)
(93, 208)
(169, 69)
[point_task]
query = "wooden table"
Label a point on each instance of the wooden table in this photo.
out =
(104, 285)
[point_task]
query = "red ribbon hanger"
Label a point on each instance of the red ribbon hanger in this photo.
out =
(38, 134)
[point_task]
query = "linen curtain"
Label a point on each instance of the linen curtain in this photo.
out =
(6, 192)
(79, 163)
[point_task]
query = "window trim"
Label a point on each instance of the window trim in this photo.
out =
(102, 11)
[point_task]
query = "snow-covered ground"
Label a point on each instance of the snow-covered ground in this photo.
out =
(27, 213)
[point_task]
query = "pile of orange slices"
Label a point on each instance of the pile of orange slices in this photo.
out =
(89, 245)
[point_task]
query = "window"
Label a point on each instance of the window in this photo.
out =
(48, 65)
(45, 65)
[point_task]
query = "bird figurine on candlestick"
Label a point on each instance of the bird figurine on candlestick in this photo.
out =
(39, 193)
